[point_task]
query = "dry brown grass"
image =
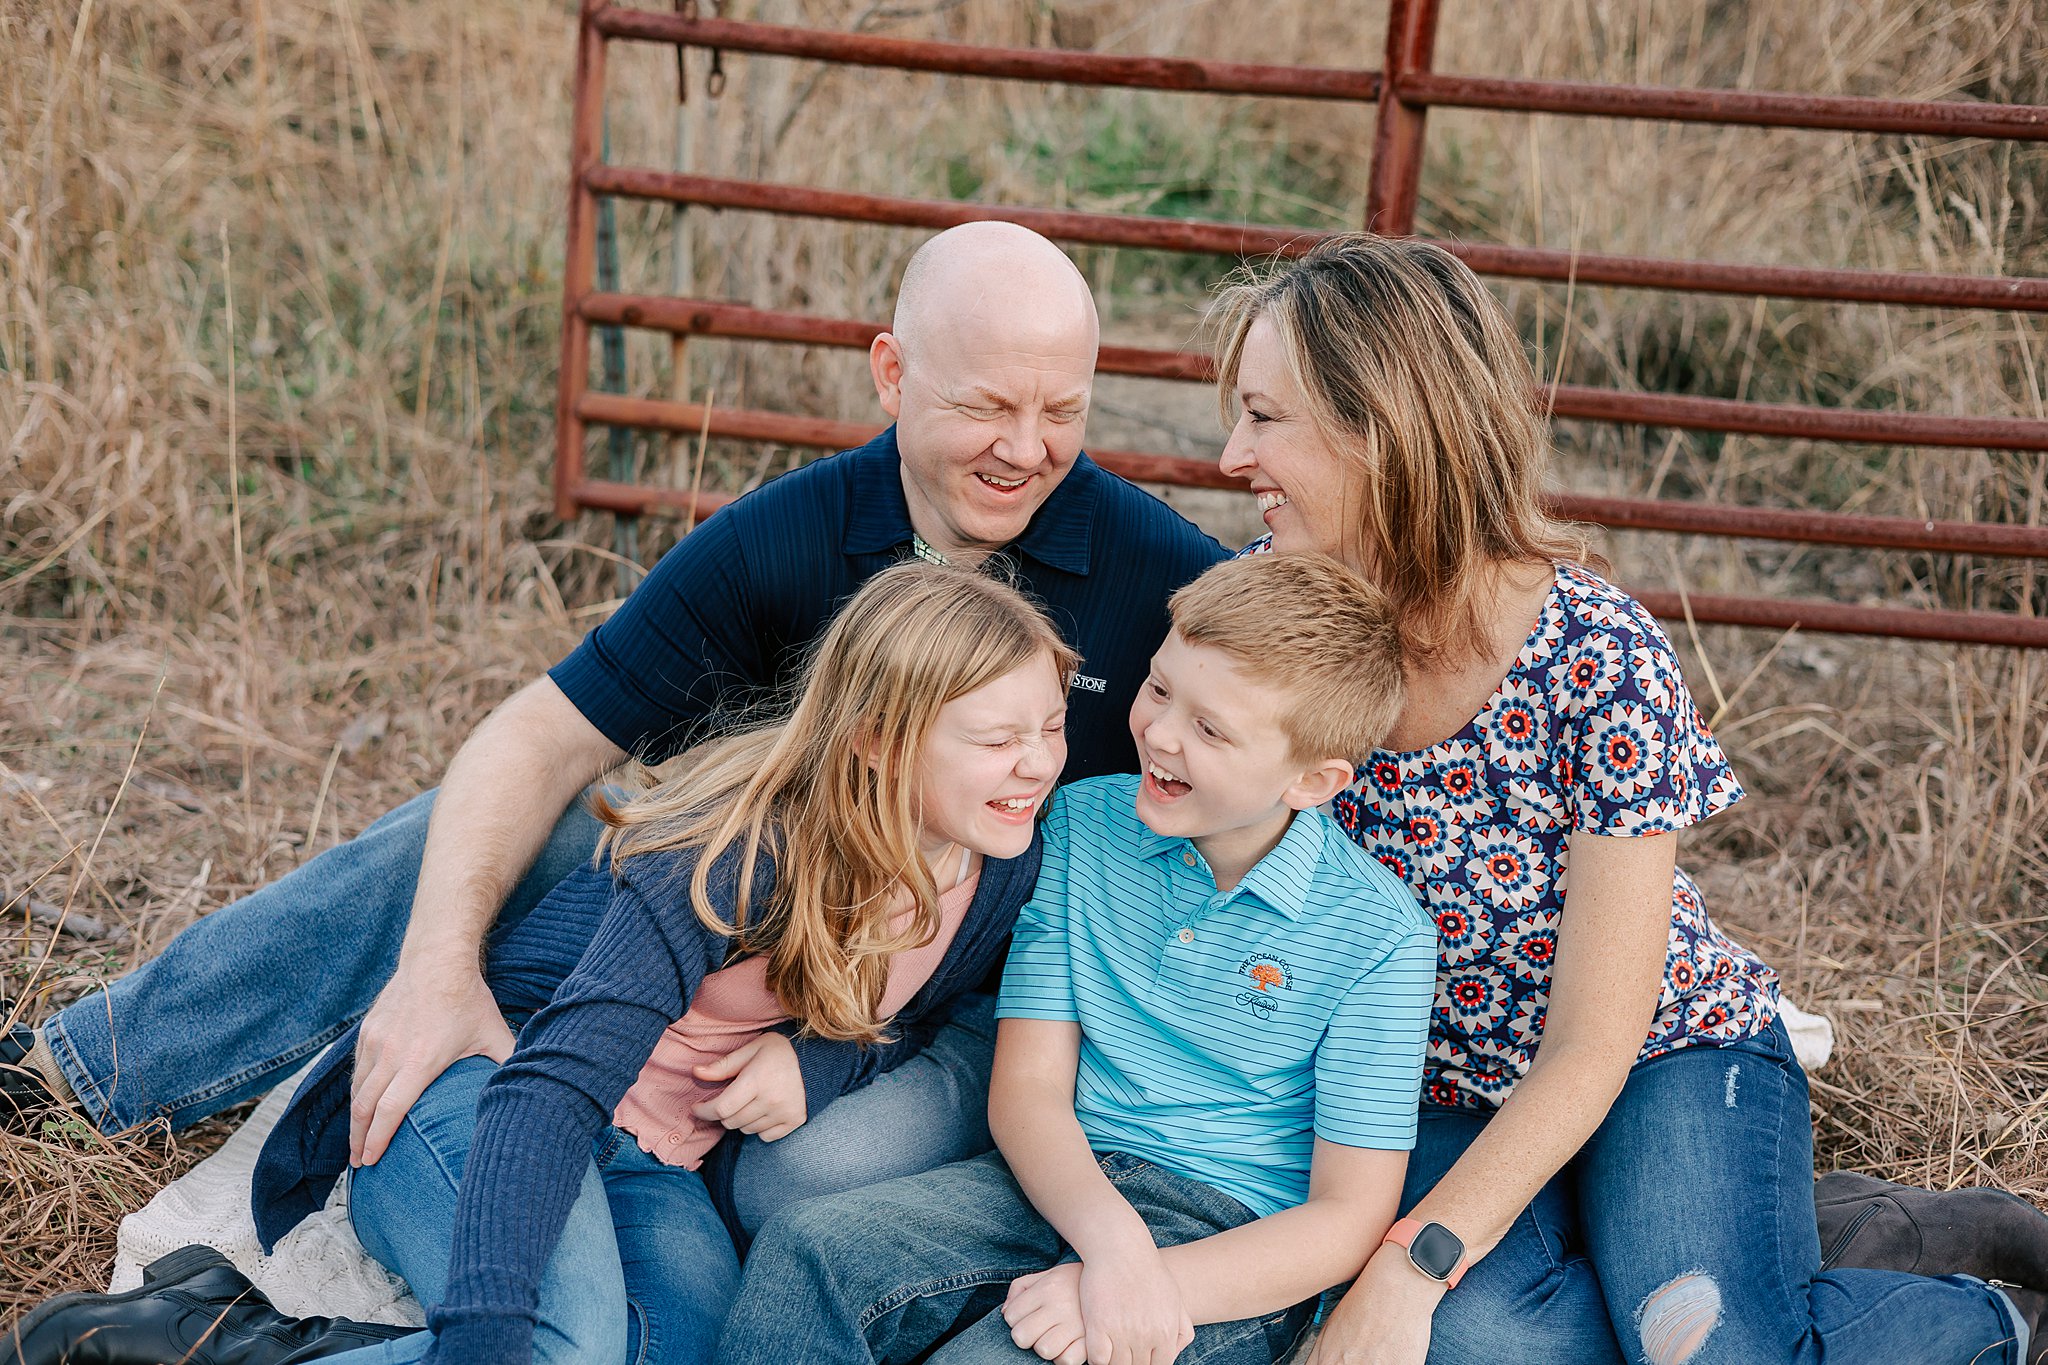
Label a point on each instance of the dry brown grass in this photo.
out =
(284, 553)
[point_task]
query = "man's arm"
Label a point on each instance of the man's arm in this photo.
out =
(1127, 1295)
(509, 784)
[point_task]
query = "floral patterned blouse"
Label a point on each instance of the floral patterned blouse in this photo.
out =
(1592, 729)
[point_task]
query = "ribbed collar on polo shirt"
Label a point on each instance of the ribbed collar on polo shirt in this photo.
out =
(1282, 878)
(1060, 536)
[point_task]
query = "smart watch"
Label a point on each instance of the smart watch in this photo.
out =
(1432, 1248)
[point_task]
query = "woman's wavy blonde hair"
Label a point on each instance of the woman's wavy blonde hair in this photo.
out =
(1414, 374)
(829, 792)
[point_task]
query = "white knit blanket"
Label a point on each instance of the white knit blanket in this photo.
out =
(319, 1266)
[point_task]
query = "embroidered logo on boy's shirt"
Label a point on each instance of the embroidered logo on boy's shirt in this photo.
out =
(1267, 974)
(1085, 683)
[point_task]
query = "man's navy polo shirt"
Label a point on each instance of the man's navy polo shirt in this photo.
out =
(723, 620)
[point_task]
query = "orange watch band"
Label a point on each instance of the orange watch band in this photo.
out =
(1403, 1235)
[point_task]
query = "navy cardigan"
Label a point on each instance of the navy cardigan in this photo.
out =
(596, 1016)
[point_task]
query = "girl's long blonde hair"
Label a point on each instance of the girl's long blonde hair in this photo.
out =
(1416, 377)
(829, 792)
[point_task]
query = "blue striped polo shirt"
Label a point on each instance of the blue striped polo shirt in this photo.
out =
(1223, 1031)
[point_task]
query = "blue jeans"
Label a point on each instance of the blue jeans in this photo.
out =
(1687, 1221)
(893, 1271)
(645, 1269)
(928, 1112)
(239, 1000)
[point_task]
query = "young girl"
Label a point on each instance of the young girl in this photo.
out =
(825, 871)
(849, 871)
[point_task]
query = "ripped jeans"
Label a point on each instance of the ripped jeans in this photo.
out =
(1685, 1229)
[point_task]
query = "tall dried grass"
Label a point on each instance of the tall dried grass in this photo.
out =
(276, 381)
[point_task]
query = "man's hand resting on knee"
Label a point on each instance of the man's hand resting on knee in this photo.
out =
(423, 1023)
(509, 784)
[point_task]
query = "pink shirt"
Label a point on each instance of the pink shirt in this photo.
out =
(733, 1007)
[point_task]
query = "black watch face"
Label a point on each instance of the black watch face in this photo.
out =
(1436, 1251)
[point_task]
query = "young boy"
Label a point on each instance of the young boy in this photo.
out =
(1213, 1020)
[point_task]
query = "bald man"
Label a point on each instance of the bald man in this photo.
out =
(986, 374)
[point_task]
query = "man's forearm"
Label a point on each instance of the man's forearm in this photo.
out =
(503, 793)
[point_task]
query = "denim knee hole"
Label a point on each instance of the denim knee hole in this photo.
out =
(1675, 1321)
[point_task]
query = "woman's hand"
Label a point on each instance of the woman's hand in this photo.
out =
(1044, 1313)
(1384, 1319)
(764, 1089)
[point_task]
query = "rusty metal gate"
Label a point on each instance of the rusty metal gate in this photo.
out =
(1403, 91)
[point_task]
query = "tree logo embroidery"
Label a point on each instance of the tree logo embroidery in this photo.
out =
(1268, 976)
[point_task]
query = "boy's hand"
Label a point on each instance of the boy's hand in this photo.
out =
(1132, 1309)
(1044, 1313)
(764, 1091)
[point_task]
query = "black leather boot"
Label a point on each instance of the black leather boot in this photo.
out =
(1872, 1224)
(193, 1309)
(22, 1091)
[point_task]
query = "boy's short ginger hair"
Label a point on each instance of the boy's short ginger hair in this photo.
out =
(1321, 636)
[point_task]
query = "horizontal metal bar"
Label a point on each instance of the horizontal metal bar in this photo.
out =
(1760, 108)
(1102, 229)
(707, 318)
(1644, 514)
(1775, 109)
(1811, 528)
(1838, 618)
(2027, 294)
(714, 318)
(1858, 425)
(1228, 239)
(745, 424)
(638, 499)
(752, 424)
(1764, 613)
(1009, 63)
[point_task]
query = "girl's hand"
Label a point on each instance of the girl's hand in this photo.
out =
(1132, 1310)
(764, 1089)
(1384, 1319)
(1044, 1313)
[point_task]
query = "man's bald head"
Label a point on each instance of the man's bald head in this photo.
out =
(986, 372)
(981, 276)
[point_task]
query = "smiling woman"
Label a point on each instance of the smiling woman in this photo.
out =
(1585, 1150)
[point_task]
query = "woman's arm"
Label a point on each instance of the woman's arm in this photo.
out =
(1610, 959)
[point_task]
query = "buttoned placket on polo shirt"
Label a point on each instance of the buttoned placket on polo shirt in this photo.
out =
(1181, 930)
